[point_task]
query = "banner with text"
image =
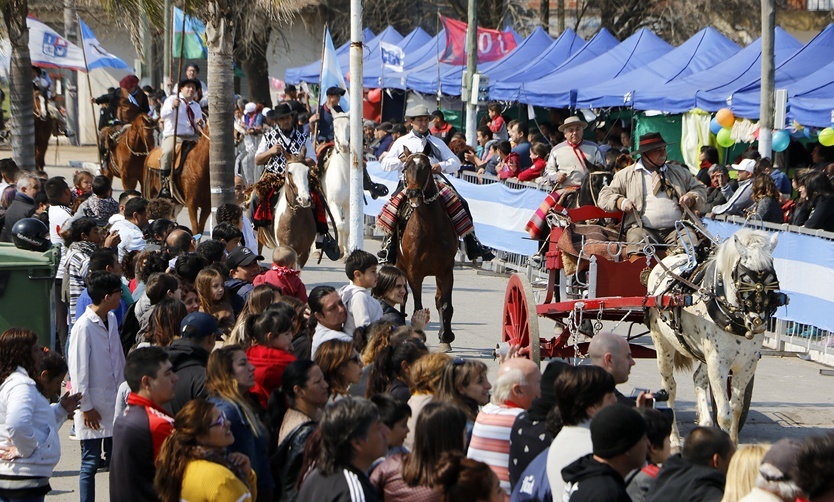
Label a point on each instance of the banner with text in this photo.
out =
(492, 44)
(393, 56)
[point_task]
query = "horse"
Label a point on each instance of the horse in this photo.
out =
(189, 186)
(45, 127)
(128, 154)
(294, 222)
(428, 242)
(723, 330)
(336, 180)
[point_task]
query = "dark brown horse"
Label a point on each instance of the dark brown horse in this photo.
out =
(428, 242)
(189, 186)
(127, 158)
(44, 128)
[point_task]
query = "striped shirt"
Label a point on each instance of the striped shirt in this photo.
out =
(490, 442)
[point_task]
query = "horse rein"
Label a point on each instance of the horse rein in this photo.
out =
(425, 186)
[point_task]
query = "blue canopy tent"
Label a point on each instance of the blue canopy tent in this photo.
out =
(566, 52)
(451, 78)
(709, 89)
(811, 100)
(311, 72)
(705, 49)
(805, 62)
(372, 69)
(560, 87)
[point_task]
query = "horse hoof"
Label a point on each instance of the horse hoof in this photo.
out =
(444, 347)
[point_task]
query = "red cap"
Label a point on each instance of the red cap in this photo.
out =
(129, 82)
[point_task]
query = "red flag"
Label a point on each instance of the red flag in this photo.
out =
(492, 44)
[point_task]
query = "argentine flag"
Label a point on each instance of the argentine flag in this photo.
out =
(97, 57)
(331, 73)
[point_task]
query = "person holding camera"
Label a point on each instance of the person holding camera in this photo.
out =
(612, 353)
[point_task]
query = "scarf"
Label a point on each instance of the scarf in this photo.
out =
(430, 149)
(220, 456)
(292, 143)
(583, 160)
(84, 247)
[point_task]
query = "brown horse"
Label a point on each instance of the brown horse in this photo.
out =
(428, 242)
(295, 223)
(189, 186)
(127, 157)
(44, 128)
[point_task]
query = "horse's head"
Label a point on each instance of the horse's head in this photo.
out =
(341, 131)
(746, 267)
(418, 176)
(298, 180)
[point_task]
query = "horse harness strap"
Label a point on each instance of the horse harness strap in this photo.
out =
(755, 291)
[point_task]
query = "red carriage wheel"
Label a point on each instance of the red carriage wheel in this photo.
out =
(521, 324)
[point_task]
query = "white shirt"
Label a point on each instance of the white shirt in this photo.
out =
(132, 237)
(362, 308)
(659, 211)
(572, 442)
(324, 334)
(184, 127)
(58, 215)
(96, 366)
(449, 162)
(204, 93)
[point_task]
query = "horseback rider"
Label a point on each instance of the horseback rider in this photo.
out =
(326, 134)
(43, 84)
(286, 136)
(651, 193)
(184, 117)
(125, 103)
(442, 160)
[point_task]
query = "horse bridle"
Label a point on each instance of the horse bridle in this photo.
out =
(425, 186)
(755, 294)
(144, 140)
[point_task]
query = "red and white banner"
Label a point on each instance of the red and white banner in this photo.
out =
(492, 44)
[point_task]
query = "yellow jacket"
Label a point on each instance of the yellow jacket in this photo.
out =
(206, 481)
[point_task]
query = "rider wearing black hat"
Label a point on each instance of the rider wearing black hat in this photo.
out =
(183, 121)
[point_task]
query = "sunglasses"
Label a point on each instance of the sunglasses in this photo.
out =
(220, 422)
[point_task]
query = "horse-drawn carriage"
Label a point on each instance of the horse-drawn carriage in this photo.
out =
(590, 280)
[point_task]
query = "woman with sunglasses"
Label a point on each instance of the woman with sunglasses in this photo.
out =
(194, 463)
(341, 366)
(229, 378)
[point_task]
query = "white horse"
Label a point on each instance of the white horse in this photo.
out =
(336, 184)
(738, 292)
(294, 221)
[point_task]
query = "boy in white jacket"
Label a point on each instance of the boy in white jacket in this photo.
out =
(362, 308)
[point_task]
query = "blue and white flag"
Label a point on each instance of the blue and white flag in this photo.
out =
(97, 56)
(331, 73)
(392, 56)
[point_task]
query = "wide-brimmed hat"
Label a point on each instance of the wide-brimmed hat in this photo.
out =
(334, 91)
(187, 81)
(281, 111)
(572, 121)
(418, 111)
(650, 141)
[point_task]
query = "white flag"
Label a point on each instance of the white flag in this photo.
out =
(48, 48)
(331, 73)
(392, 56)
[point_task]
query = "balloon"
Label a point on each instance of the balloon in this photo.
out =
(374, 95)
(724, 138)
(714, 126)
(826, 137)
(781, 140)
(725, 117)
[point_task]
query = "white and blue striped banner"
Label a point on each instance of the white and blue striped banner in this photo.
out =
(331, 72)
(805, 267)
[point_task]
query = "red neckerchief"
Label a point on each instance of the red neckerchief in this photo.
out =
(134, 399)
(284, 271)
(509, 404)
(583, 160)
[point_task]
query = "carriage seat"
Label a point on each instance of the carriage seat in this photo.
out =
(180, 154)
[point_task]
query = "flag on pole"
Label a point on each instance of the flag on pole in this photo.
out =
(392, 56)
(49, 49)
(193, 47)
(331, 73)
(97, 56)
(492, 44)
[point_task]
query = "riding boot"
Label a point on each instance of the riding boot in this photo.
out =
(376, 189)
(474, 248)
(388, 253)
(164, 191)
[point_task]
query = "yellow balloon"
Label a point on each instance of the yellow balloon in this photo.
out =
(725, 117)
(826, 137)
(724, 138)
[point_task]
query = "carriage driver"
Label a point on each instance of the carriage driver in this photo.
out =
(654, 192)
(189, 124)
(419, 140)
(286, 136)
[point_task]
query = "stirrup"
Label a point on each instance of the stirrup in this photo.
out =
(164, 192)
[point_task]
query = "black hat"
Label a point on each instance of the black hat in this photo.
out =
(282, 110)
(650, 141)
(241, 256)
(199, 325)
(615, 429)
(187, 81)
(779, 463)
(333, 91)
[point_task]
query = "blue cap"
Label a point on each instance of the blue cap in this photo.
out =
(199, 325)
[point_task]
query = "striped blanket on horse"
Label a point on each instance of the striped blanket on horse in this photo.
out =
(387, 219)
(537, 226)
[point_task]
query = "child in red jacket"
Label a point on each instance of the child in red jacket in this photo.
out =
(284, 274)
(538, 154)
(270, 355)
(510, 161)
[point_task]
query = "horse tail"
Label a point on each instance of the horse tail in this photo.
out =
(266, 235)
(682, 363)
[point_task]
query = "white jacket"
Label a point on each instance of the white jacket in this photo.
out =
(30, 424)
(362, 308)
(96, 365)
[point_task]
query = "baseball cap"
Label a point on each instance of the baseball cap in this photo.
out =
(748, 165)
(615, 429)
(241, 256)
(332, 91)
(199, 325)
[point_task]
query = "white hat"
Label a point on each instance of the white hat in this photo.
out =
(265, 111)
(250, 108)
(747, 165)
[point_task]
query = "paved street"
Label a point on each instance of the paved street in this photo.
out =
(790, 398)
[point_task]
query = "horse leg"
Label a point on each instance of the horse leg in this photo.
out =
(702, 398)
(718, 370)
(738, 387)
(443, 302)
(416, 284)
(666, 368)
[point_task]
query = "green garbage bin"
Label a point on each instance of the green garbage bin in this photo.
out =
(26, 280)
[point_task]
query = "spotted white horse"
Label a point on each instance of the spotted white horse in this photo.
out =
(336, 185)
(723, 330)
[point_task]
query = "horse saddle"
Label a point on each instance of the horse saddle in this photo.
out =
(180, 154)
(583, 241)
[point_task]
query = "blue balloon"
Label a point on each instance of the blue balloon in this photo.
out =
(781, 140)
(714, 126)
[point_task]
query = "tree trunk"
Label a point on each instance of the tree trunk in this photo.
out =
(21, 104)
(253, 62)
(220, 31)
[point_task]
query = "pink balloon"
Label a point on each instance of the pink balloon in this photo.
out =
(375, 95)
